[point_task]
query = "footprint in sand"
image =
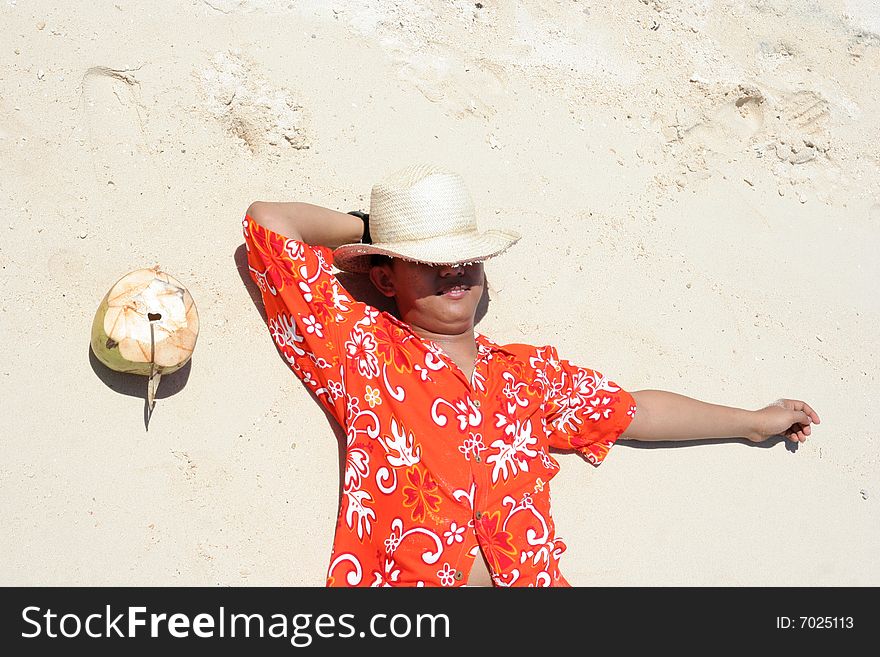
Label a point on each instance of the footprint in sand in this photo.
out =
(115, 126)
(796, 123)
(732, 124)
(460, 86)
(805, 112)
(801, 130)
(742, 117)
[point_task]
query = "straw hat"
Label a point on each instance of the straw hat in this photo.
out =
(423, 213)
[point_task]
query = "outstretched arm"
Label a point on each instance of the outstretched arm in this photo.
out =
(308, 223)
(662, 415)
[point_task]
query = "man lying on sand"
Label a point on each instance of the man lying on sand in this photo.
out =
(448, 433)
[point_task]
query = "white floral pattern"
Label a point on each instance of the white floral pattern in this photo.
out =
(361, 348)
(512, 457)
(454, 535)
(437, 468)
(446, 575)
(313, 326)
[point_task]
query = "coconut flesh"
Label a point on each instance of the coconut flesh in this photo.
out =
(147, 324)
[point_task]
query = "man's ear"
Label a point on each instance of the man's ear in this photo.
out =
(382, 280)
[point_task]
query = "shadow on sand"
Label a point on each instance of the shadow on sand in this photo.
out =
(134, 385)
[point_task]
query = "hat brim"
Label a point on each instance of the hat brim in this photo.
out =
(445, 250)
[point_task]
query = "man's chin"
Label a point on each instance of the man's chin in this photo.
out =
(451, 315)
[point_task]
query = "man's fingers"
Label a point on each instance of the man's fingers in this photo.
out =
(798, 405)
(802, 418)
(805, 407)
(799, 417)
(797, 436)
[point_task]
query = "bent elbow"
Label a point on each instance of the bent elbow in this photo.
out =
(262, 212)
(256, 209)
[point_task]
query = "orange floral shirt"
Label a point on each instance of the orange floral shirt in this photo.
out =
(437, 466)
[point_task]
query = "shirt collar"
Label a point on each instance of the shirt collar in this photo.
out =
(490, 344)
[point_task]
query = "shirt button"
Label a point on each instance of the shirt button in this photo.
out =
(477, 403)
(479, 514)
(458, 575)
(478, 459)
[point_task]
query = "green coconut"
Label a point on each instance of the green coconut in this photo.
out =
(147, 324)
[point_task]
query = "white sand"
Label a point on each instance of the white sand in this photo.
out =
(701, 211)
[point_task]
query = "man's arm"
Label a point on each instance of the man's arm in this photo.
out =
(662, 415)
(308, 223)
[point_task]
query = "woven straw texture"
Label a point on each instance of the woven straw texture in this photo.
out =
(424, 213)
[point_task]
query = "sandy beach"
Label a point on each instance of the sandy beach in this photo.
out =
(698, 189)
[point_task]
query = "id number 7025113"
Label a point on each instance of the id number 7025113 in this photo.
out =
(815, 622)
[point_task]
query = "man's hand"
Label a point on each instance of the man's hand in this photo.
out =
(790, 418)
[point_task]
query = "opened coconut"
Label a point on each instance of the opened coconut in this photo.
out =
(147, 324)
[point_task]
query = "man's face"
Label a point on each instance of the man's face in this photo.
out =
(439, 298)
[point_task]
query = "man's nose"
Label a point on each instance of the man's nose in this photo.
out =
(452, 270)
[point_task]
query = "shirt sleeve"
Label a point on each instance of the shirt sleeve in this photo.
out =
(584, 410)
(308, 311)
